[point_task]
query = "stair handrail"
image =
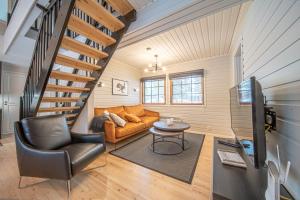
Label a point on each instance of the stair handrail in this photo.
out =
(51, 32)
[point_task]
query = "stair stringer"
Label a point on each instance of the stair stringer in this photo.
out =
(127, 20)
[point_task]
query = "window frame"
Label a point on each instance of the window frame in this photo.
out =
(201, 90)
(143, 90)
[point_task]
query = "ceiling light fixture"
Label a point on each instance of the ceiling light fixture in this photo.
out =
(155, 66)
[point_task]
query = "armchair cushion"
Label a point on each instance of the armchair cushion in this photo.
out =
(46, 132)
(81, 154)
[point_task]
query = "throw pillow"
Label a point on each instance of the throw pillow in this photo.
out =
(133, 118)
(122, 115)
(118, 120)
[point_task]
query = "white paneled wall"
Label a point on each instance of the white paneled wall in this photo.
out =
(271, 53)
(103, 95)
(214, 116)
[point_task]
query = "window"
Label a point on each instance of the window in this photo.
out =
(154, 90)
(187, 87)
(245, 95)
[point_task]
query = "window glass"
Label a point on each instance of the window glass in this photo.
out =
(154, 91)
(187, 90)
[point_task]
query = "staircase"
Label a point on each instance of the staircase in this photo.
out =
(76, 40)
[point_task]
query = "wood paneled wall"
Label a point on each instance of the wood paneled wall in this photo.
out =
(103, 95)
(271, 53)
(214, 116)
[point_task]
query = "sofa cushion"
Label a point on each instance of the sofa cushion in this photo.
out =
(123, 115)
(129, 129)
(116, 110)
(47, 132)
(132, 118)
(118, 120)
(81, 154)
(149, 120)
(138, 110)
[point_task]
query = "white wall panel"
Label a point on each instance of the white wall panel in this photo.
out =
(271, 46)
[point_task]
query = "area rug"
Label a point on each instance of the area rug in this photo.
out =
(181, 166)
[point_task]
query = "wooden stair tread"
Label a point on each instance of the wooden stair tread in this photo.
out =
(61, 88)
(60, 99)
(100, 14)
(58, 109)
(70, 115)
(70, 122)
(70, 77)
(121, 6)
(74, 45)
(74, 63)
(81, 27)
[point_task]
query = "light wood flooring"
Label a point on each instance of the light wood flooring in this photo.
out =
(118, 180)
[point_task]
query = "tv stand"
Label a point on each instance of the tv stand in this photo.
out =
(237, 183)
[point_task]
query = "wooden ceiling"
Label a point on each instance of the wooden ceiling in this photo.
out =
(140, 4)
(202, 38)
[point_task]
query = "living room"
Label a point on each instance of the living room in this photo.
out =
(186, 100)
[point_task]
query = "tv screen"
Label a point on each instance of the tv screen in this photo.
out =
(247, 119)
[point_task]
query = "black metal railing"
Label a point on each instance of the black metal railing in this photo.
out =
(51, 32)
(13, 6)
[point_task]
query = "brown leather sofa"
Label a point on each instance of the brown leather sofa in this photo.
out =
(114, 134)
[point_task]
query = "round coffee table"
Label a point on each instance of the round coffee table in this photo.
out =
(161, 130)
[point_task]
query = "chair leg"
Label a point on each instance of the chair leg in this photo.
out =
(20, 179)
(69, 188)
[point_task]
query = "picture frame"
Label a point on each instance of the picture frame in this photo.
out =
(119, 87)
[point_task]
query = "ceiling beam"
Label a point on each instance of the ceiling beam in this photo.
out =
(164, 15)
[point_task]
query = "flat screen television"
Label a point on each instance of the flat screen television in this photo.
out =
(248, 121)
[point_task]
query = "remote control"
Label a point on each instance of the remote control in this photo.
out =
(235, 145)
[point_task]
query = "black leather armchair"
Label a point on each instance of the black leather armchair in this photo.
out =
(47, 149)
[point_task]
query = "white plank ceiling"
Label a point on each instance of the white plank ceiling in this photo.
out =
(202, 38)
(140, 4)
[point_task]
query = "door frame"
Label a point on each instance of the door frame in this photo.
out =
(2, 93)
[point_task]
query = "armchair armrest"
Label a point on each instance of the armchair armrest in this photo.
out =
(109, 128)
(53, 164)
(151, 113)
(88, 138)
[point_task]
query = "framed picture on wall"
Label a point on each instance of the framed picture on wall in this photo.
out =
(119, 87)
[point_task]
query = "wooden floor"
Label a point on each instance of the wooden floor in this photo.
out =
(119, 180)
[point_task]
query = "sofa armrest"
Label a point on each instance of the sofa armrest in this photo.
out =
(109, 128)
(150, 113)
(88, 138)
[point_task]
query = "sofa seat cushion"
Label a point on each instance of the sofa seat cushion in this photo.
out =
(129, 129)
(149, 120)
(137, 110)
(81, 154)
